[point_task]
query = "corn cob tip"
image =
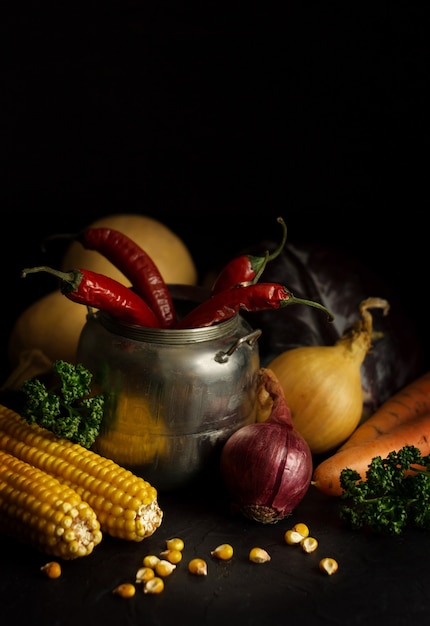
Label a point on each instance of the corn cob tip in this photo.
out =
(38, 509)
(125, 504)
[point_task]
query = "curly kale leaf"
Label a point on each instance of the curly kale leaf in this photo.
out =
(67, 408)
(395, 493)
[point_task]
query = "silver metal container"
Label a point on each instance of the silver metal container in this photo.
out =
(173, 397)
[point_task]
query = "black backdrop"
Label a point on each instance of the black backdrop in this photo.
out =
(217, 120)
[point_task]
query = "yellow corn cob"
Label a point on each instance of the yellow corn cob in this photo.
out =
(126, 505)
(37, 509)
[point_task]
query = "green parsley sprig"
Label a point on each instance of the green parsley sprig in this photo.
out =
(394, 494)
(67, 408)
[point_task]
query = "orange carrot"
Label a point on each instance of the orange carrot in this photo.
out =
(404, 419)
(408, 403)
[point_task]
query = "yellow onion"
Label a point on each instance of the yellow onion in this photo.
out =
(267, 466)
(322, 384)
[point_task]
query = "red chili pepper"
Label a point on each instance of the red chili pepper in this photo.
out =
(102, 292)
(136, 264)
(258, 297)
(246, 268)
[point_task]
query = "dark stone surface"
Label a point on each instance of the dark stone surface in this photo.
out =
(379, 578)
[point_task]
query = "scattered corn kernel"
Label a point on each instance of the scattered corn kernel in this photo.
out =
(328, 565)
(175, 543)
(309, 544)
(151, 560)
(172, 555)
(292, 537)
(164, 568)
(301, 528)
(198, 566)
(125, 590)
(51, 569)
(224, 552)
(155, 585)
(258, 555)
(144, 574)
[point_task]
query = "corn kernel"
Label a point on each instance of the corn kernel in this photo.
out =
(328, 565)
(309, 544)
(144, 574)
(150, 560)
(174, 556)
(125, 590)
(164, 568)
(301, 528)
(198, 566)
(175, 543)
(155, 585)
(224, 552)
(292, 537)
(258, 555)
(51, 569)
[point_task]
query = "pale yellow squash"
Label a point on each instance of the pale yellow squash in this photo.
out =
(51, 324)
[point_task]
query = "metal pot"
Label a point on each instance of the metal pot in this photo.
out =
(173, 397)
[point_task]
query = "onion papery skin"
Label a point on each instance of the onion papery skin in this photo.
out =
(267, 469)
(323, 387)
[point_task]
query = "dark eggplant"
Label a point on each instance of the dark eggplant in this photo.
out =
(329, 276)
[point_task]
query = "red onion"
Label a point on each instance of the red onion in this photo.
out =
(267, 466)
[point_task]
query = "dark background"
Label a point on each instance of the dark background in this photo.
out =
(215, 121)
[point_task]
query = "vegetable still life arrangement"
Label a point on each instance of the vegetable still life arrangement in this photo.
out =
(154, 431)
(53, 438)
(328, 384)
